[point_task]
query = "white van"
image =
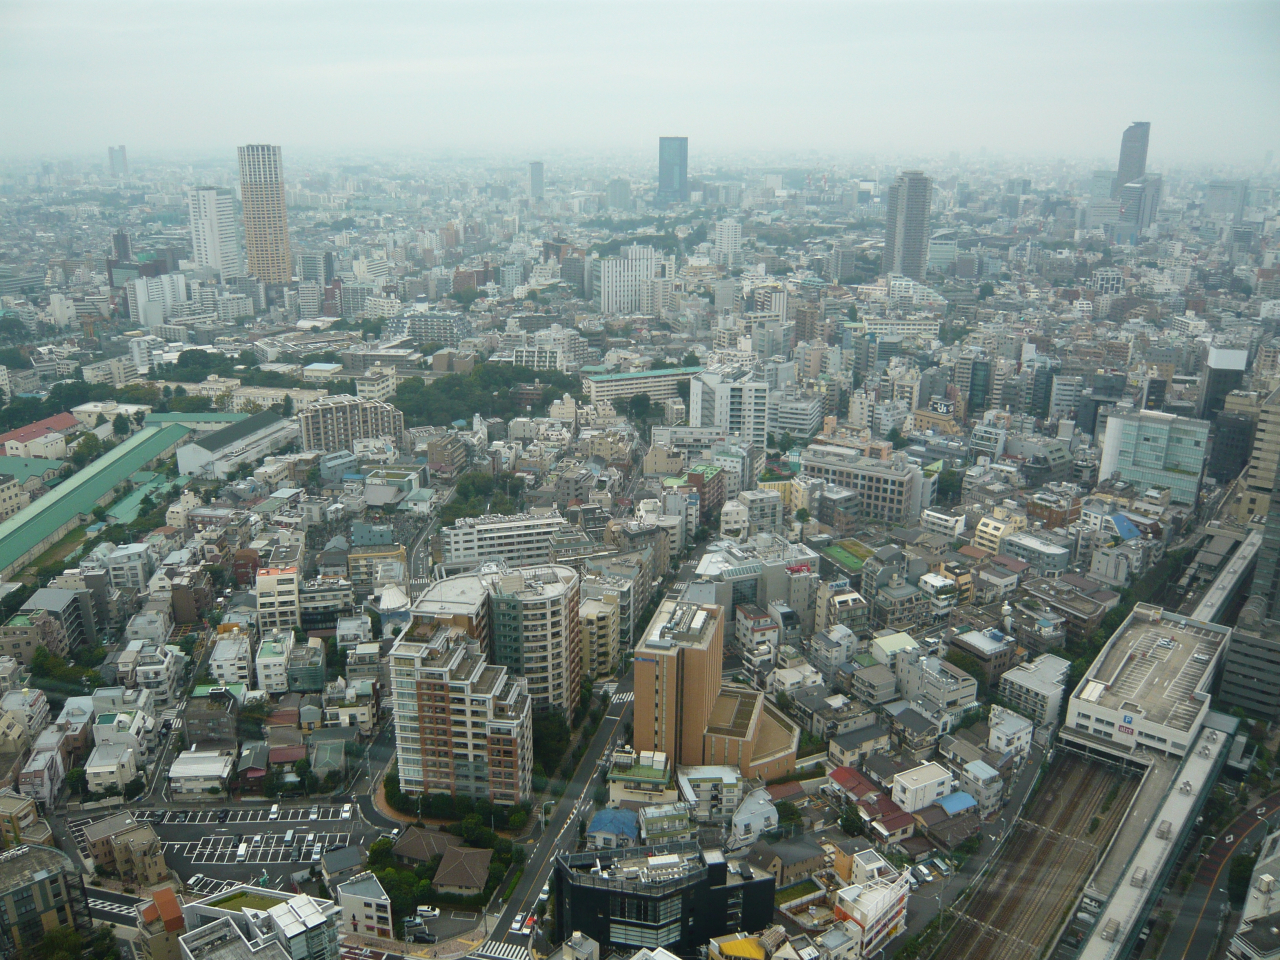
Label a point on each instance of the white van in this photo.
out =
(288, 838)
(275, 813)
(242, 853)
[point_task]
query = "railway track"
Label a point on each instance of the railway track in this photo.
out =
(1044, 860)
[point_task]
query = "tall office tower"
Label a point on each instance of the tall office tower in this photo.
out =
(728, 250)
(618, 194)
(1223, 372)
(673, 169)
(122, 246)
(535, 180)
(677, 679)
(1133, 156)
(1226, 198)
(906, 226)
(1140, 199)
(337, 422)
(318, 267)
(733, 400)
(118, 161)
(266, 227)
(213, 231)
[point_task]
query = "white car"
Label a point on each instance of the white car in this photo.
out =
(346, 811)
(428, 913)
(546, 892)
(517, 925)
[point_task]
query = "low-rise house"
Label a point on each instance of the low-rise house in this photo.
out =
(463, 871)
(851, 749)
(790, 861)
(640, 778)
(200, 771)
(1009, 734)
(418, 846)
(917, 788)
(666, 823)
(342, 864)
(613, 828)
(20, 821)
(984, 784)
(110, 767)
(757, 815)
(712, 792)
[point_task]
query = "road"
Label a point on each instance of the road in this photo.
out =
(1195, 928)
(561, 833)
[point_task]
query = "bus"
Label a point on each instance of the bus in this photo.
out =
(242, 853)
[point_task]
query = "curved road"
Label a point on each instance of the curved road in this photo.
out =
(1195, 928)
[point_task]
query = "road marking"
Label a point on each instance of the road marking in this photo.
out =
(110, 906)
(502, 951)
(624, 697)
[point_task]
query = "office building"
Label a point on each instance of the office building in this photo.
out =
(279, 924)
(118, 162)
(463, 726)
(1224, 369)
(535, 180)
(337, 422)
(626, 283)
(266, 227)
(676, 896)
(153, 300)
(1226, 198)
(896, 491)
(1035, 689)
(618, 194)
(673, 170)
(1140, 200)
(40, 891)
(906, 226)
(1133, 156)
(677, 678)
(728, 248)
(1154, 448)
(214, 243)
(733, 400)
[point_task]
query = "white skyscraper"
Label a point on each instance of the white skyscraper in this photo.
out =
(213, 231)
(728, 242)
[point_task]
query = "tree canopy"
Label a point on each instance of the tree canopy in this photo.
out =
(488, 390)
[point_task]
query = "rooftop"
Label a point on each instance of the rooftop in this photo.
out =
(1158, 665)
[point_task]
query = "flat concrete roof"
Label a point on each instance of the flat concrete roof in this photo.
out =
(1154, 668)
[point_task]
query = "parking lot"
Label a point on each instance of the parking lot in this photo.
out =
(224, 848)
(208, 886)
(244, 815)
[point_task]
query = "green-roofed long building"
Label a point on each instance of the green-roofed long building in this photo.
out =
(34, 529)
(658, 384)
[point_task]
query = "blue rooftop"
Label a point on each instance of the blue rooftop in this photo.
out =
(625, 823)
(1124, 526)
(958, 802)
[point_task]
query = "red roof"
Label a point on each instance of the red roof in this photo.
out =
(1012, 564)
(853, 782)
(785, 791)
(55, 424)
(289, 754)
(977, 553)
(898, 821)
(164, 906)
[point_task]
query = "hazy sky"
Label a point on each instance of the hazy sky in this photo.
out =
(1035, 77)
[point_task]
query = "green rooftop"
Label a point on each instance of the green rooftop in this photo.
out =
(19, 620)
(163, 419)
(23, 469)
(652, 774)
(22, 534)
(249, 899)
(843, 557)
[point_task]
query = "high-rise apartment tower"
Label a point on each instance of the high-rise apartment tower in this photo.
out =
(906, 225)
(213, 231)
(266, 227)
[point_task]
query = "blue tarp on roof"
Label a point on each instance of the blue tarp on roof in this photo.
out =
(958, 802)
(1124, 526)
(624, 823)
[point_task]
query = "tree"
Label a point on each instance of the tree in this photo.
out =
(784, 701)
(788, 812)
(895, 437)
(986, 289)
(90, 448)
(286, 410)
(853, 312)
(786, 442)
(949, 485)
(1238, 879)
(140, 417)
(851, 822)
(102, 418)
(691, 360)
(639, 406)
(120, 425)
(77, 780)
(802, 515)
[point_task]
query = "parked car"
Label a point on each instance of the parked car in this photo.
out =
(424, 938)
(427, 912)
(546, 892)
(517, 925)
(315, 814)
(346, 811)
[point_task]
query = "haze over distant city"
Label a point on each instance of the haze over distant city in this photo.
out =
(745, 80)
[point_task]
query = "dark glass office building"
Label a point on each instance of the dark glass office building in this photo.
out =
(673, 169)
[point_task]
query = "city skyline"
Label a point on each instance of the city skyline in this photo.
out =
(1210, 54)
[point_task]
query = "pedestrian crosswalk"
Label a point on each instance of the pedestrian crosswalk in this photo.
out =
(624, 697)
(493, 950)
(110, 906)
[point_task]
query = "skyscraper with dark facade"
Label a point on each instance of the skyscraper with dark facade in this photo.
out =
(906, 225)
(673, 169)
(1133, 156)
(535, 180)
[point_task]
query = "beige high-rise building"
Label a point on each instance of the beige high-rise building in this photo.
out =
(1255, 493)
(266, 226)
(677, 678)
(600, 630)
(337, 422)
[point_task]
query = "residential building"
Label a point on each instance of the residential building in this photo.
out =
(363, 564)
(366, 908)
(906, 230)
(232, 658)
(278, 923)
(214, 243)
(599, 621)
(922, 786)
(536, 632)
(337, 422)
(273, 660)
(733, 400)
(431, 666)
(659, 385)
(41, 890)
(266, 228)
(517, 539)
(20, 821)
(200, 771)
(160, 924)
(891, 491)
(305, 667)
(27, 632)
(123, 845)
(1035, 689)
(276, 589)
